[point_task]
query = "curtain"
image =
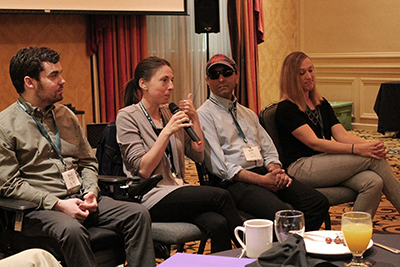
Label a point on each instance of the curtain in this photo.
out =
(174, 38)
(116, 43)
(246, 29)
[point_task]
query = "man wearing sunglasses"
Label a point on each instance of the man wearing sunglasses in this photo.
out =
(242, 156)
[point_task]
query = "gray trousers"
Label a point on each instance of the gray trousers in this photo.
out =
(130, 219)
(367, 176)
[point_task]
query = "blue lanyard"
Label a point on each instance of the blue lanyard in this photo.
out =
(241, 133)
(168, 150)
(148, 116)
(46, 135)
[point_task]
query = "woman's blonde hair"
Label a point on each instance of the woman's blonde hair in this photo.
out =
(290, 85)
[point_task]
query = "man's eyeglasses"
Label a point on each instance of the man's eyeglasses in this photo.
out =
(213, 75)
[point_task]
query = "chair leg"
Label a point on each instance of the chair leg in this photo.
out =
(162, 251)
(180, 247)
(200, 250)
(202, 246)
(328, 225)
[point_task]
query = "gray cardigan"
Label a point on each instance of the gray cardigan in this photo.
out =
(136, 136)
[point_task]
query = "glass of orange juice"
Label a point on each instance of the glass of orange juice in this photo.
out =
(357, 232)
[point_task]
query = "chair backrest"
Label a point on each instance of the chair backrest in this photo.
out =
(108, 153)
(94, 132)
(267, 121)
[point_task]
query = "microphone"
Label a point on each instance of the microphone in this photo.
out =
(189, 130)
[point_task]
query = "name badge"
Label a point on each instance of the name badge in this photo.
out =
(252, 153)
(71, 181)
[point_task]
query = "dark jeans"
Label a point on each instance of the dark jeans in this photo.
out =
(132, 220)
(210, 208)
(263, 203)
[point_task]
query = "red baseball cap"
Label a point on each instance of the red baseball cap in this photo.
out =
(221, 59)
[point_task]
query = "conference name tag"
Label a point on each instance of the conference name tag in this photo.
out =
(252, 153)
(71, 181)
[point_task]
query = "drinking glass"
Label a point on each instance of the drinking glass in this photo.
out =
(288, 222)
(357, 232)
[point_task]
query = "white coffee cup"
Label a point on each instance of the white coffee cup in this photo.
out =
(258, 236)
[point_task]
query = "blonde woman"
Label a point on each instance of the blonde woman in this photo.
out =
(307, 124)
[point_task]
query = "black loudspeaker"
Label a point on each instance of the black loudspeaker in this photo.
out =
(206, 16)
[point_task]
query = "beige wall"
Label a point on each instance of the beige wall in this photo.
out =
(343, 26)
(64, 33)
(281, 37)
(353, 44)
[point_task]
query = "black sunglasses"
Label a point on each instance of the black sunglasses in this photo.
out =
(213, 75)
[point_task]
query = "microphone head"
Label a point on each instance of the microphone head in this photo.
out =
(173, 107)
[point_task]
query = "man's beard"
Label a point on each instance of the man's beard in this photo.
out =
(45, 98)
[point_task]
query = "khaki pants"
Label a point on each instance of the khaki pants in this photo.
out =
(367, 176)
(31, 258)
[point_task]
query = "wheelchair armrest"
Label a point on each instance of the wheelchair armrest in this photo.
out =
(12, 204)
(127, 189)
(138, 189)
(19, 207)
(110, 179)
(116, 186)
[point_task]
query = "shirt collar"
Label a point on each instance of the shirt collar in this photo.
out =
(35, 110)
(226, 103)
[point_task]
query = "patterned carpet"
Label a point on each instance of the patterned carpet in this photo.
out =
(386, 220)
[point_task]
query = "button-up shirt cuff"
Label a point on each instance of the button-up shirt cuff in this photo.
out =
(232, 172)
(267, 162)
(49, 202)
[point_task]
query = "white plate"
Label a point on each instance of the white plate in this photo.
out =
(318, 245)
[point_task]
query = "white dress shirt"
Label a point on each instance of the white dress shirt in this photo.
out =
(224, 156)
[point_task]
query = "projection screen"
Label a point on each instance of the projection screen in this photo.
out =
(94, 6)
